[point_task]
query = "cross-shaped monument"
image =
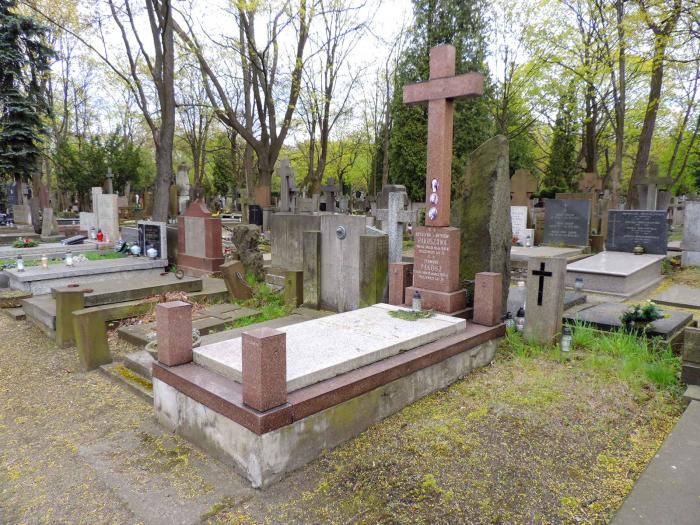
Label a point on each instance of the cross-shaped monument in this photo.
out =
(288, 190)
(393, 220)
(436, 260)
(330, 190)
(522, 185)
(440, 92)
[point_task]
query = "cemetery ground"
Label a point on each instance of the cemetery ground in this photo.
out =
(530, 438)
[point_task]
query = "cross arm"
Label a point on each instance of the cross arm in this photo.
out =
(462, 86)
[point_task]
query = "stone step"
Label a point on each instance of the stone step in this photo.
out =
(140, 363)
(41, 309)
(16, 314)
(138, 384)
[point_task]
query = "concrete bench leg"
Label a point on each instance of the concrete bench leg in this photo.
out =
(68, 300)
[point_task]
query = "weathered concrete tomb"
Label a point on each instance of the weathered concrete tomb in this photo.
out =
(272, 400)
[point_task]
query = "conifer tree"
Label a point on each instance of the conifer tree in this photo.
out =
(562, 169)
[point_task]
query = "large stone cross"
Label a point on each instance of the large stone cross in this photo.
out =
(288, 188)
(440, 93)
(330, 190)
(393, 220)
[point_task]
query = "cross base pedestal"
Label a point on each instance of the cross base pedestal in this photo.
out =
(449, 303)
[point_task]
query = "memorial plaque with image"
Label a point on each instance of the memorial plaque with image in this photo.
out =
(153, 235)
(567, 222)
(629, 228)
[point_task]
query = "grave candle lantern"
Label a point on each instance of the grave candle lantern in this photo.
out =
(44, 261)
(20, 263)
(566, 342)
(69, 258)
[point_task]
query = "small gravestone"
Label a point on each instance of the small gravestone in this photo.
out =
(21, 214)
(108, 216)
(199, 241)
(393, 220)
(518, 221)
(522, 185)
(153, 235)
(545, 299)
(691, 234)
(330, 190)
(233, 273)
(630, 228)
(49, 226)
(567, 221)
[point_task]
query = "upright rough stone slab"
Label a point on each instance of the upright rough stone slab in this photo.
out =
(264, 368)
(374, 266)
(199, 241)
(174, 327)
(312, 268)
(545, 299)
(49, 225)
(488, 294)
(691, 234)
(108, 216)
(68, 300)
(483, 214)
(400, 278)
(294, 288)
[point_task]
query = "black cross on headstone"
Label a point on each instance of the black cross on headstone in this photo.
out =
(542, 274)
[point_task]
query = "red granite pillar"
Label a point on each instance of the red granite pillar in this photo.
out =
(264, 368)
(174, 327)
(400, 278)
(488, 298)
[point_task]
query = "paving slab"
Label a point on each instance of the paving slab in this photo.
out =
(606, 316)
(679, 295)
(668, 490)
(323, 348)
(50, 249)
(133, 288)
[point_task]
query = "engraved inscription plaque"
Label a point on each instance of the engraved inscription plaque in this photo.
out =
(628, 228)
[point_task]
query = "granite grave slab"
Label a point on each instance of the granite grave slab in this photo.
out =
(616, 273)
(679, 295)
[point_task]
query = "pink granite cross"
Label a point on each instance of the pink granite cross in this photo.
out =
(440, 92)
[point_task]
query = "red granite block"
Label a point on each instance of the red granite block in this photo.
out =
(400, 278)
(444, 302)
(488, 298)
(174, 327)
(264, 368)
(436, 259)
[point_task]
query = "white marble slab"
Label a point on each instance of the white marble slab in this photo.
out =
(614, 263)
(323, 348)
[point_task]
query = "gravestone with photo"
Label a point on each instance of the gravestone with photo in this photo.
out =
(566, 222)
(153, 235)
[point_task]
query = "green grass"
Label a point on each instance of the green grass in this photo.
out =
(640, 361)
(58, 259)
(270, 303)
(100, 256)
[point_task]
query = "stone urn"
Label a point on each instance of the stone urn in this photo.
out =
(152, 346)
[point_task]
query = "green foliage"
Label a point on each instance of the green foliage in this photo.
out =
(638, 360)
(462, 24)
(641, 314)
(411, 315)
(562, 168)
(224, 176)
(24, 62)
(82, 164)
(25, 243)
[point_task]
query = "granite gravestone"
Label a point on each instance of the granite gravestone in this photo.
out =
(629, 228)
(567, 221)
(153, 235)
(691, 234)
(518, 222)
(545, 299)
(483, 214)
(108, 216)
(199, 250)
(436, 270)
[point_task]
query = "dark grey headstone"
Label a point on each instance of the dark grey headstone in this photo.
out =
(606, 316)
(628, 228)
(482, 212)
(567, 221)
